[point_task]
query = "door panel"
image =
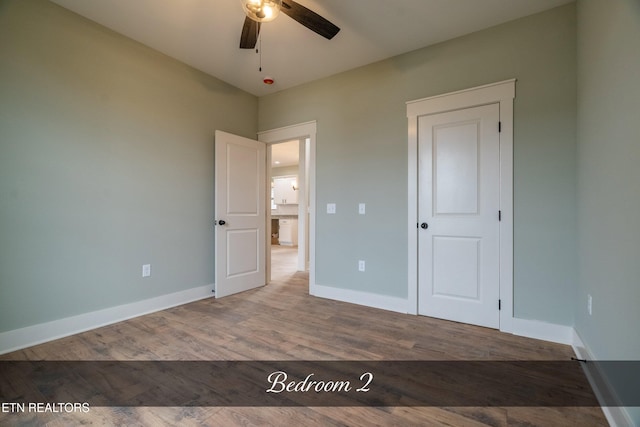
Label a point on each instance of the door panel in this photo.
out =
(456, 168)
(242, 177)
(240, 213)
(242, 248)
(456, 267)
(459, 183)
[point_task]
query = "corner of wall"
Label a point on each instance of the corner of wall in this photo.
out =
(617, 416)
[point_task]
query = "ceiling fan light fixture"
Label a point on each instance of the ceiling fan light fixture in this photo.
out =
(261, 10)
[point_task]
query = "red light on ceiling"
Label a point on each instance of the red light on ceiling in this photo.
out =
(268, 80)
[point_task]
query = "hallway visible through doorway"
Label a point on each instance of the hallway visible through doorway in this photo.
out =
(284, 262)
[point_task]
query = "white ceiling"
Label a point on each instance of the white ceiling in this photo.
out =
(205, 33)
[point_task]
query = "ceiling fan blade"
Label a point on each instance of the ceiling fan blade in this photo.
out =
(249, 36)
(309, 19)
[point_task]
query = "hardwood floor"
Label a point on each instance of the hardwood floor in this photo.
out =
(282, 322)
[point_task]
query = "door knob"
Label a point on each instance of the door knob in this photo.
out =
(222, 222)
(424, 225)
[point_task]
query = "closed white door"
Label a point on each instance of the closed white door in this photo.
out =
(459, 202)
(240, 214)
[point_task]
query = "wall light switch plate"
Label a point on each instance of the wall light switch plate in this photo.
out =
(361, 208)
(361, 265)
(331, 208)
(146, 270)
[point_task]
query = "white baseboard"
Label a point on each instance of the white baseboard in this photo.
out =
(383, 302)
(536, 329)
(617, 416)
(37, 334)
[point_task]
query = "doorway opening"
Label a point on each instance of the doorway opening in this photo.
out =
(286, 197)
(304, 135)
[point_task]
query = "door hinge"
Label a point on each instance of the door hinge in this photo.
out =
(499, 126)
(499, 304)
(499, 215)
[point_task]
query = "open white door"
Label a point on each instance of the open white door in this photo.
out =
(240, 186)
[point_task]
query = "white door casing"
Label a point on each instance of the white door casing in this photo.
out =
(458, 205)
(503, 94)
(240, 187)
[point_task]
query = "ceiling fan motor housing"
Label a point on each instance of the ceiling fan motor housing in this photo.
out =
(262, 10)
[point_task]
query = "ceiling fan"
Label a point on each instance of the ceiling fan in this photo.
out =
(259, 11)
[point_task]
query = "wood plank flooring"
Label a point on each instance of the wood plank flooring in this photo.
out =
(282, 322)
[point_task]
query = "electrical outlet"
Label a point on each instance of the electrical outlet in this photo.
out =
(146, 270)
(331, 208)
(361, 208)
(589, 304)
(361, 265)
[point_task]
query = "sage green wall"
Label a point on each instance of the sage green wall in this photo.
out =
(106, 163)
(609, 178)
(361, 156)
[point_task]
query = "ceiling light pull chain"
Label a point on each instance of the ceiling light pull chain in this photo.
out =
(266, 79)
(259, 52)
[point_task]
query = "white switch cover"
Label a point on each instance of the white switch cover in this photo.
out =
(331, 208)
(361, 209)
(146, 270)
(361, 265)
